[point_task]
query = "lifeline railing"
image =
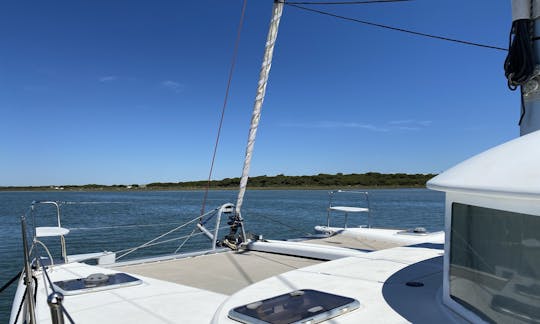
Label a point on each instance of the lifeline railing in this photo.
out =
(212, 234)
(54, 300)
(58, 221)
(31, 307)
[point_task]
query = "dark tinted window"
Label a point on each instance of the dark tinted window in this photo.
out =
(495, 263)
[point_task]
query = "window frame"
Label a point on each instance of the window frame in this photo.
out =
(514, 204)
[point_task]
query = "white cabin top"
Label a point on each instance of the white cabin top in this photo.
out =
(512, 168)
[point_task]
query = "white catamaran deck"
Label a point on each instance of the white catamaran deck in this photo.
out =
(152, 301)
(229, 272)
(205, 291)
(377, 280)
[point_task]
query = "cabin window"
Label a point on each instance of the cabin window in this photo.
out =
(495, 263)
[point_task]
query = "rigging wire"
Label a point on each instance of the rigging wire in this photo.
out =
(231, 70)
(121, 226)
(184, 242)
(276, 261)
(10, 281)
(341, 2)
(157, 238)
(284, 224)
(166, 241)
(397, 29)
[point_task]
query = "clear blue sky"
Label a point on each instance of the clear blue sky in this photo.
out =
(120, 92)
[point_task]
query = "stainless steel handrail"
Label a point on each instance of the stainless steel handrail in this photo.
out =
(331, 196)
(226, 208)
(54, 300)
(55, 304)
(58, 220)
(31, 310)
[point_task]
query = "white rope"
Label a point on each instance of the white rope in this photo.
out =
(46, 250)
(277, 10)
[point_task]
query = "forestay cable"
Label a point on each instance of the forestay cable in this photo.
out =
(454, 40)
(341, 2)
(233, 63)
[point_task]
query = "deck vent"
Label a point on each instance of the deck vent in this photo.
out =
(96, 279)
(95, 282)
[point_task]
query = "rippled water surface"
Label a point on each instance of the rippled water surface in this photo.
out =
(114, 221)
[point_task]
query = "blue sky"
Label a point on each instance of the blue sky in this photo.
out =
(120, 92)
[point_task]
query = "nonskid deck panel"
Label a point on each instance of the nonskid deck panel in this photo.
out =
(228, 272)
(224, 273)
(353, 243)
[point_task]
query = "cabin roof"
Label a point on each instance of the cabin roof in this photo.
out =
(377, 280)
(510, 169)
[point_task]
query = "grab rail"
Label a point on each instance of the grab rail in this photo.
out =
(57, 205)
(224, 209)
(348, 209)
(54, 300)
(27, 275)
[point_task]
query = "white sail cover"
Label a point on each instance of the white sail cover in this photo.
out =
(259, 98)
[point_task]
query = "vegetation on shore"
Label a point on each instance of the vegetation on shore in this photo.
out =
(339, 180)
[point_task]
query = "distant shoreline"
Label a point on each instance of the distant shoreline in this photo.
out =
(4, 189)
(370, 180)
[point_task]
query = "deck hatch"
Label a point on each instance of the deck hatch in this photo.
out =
(301, 306)
(95, 282)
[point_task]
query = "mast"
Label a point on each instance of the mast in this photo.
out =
(277, 10)
(531, 90)
(521, 65)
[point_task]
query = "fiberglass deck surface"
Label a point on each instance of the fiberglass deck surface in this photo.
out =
(224, 273)
(229, 272)
(353, 243)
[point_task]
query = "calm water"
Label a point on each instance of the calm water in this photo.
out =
(96, 219)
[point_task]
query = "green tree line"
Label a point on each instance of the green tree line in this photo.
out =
(321, 180)
(370, 179)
